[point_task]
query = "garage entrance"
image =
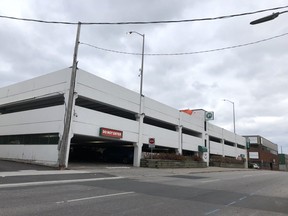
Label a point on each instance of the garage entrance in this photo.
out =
(84, 149)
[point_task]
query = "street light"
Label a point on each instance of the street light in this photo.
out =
(142, 64)
(138, 147)
(233, 112)
(267, 18)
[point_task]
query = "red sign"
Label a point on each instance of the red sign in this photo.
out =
(152, 141)
(106, 132)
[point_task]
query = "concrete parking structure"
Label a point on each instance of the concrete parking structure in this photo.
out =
(105, 116)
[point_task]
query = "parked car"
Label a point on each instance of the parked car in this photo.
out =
(254, 166)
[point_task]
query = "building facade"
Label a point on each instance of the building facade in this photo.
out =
(262, 152)
(33, 112)
(283, 162)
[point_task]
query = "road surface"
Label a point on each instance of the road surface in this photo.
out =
(101, 192)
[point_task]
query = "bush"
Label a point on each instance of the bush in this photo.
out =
(216, 158)
(171, 156)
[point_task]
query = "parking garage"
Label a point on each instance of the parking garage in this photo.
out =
(106, 126)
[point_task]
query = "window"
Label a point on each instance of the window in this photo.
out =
(30, 139)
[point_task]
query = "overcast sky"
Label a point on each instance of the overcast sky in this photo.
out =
(254, 77)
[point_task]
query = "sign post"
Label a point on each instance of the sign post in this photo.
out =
(151, 145)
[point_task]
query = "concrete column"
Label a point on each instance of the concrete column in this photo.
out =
(180, 140)
(206, 140)
(137, 154)
(208, 149)
(223, 147)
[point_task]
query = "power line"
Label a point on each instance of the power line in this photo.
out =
(185, 53)
(142, 22)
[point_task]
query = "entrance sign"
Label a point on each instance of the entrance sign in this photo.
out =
(106, 132)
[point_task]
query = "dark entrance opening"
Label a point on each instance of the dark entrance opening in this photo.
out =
(84, 149)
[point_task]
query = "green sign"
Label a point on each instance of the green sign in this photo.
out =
(247, 143)
(202, 149)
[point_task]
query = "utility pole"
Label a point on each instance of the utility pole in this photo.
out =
(65, 141)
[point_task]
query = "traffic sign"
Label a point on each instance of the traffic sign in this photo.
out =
(152, 141)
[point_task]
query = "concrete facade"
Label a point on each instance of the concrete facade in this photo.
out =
(33, 112)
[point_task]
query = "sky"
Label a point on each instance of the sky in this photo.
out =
(254, 77)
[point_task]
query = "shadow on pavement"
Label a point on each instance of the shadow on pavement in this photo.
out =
(7, 166)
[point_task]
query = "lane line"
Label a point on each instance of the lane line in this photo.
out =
(95, 197)
(232, 203)
(13, 185)
(214, 180)
(211, 212)
(242, 198)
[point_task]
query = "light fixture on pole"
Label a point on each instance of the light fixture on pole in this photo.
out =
(233, 113)
(267, 18)
(138, 148)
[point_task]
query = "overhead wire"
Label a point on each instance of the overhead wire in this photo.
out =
(142, 22)
(185, 53)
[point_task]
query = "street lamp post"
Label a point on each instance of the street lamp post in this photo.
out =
(233, 113)
(138, 147)
(266, 19)
(142, 67)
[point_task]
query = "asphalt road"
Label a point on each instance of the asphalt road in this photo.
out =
(103, 193)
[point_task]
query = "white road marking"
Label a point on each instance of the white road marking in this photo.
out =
(242, 198)
(232, 203)
(211, 212)
(214, 180)
(55, 182)
(95, 197)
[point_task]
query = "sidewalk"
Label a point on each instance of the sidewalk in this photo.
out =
(130, 171)
(9, 168)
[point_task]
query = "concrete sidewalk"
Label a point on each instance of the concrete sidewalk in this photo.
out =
(130, 171)
(10, 168)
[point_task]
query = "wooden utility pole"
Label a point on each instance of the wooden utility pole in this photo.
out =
(64, 144)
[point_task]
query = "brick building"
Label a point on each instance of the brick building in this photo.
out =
(283, 162)
(262, 152)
